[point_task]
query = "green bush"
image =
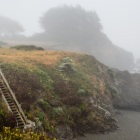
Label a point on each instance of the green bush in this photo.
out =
(82, 92)
(7, 119)
(58, 111)
(67, 60)
(43, 104)
(16, 134)
(27, 47)
(66, 65)
(114, 91)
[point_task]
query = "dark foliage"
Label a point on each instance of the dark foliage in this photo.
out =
(27, 47)
(71, 24)
(7, 119)
(9, 27)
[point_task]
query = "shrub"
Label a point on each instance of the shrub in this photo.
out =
(57, 111)
(66, 65)
(114, 91)
(7, 119)
(26, 47)
(67, 60)
(16, 134)
(43, 104)
(81, 92)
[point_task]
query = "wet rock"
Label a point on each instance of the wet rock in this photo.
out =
(128, 86)
(64, 132)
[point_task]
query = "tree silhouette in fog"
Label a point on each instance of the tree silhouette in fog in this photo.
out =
(77, 29)
(9, 27)
(71, 24)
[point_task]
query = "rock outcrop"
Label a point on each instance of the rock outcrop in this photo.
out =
(128, 86)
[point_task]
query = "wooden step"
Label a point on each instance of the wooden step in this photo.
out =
(14, 109)
(6, 94)
(12, 101)
(9, 99)
(20, 122)
(15, 112)
(3, 89)
(18, 117)
(2, 86)
(11, 104)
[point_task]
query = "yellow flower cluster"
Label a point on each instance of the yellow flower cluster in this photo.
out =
(17, 134)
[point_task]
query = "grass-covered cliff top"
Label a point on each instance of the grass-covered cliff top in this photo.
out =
(61, 88)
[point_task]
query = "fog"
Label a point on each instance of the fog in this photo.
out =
(120, 19)
(97, 87)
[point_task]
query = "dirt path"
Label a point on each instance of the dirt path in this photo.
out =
(129, 128)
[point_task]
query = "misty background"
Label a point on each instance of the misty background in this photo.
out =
(119, 19)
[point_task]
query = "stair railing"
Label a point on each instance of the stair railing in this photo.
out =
(14, 97)
(5, 101)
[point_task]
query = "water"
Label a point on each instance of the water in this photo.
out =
(129, 129)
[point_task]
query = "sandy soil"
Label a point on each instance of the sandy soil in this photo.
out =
(129, 129)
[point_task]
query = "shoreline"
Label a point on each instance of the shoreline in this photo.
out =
(129, 128)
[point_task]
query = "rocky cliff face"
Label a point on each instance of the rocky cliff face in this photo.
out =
(128, 86)
(64, 90)
(114, 56)
(69, 91)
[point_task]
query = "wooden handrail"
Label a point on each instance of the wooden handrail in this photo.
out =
(5, 101)
(14, 97)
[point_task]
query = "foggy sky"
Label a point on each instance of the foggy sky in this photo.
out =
(120, 18)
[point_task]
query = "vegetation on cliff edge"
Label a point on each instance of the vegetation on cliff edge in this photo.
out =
(61, 88)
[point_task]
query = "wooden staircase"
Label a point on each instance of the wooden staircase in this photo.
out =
(13, 105)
